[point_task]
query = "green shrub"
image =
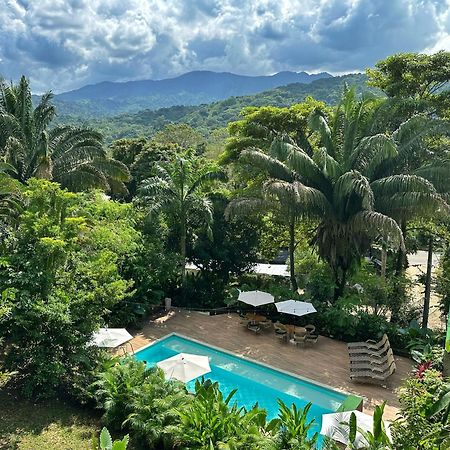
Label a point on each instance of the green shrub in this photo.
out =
(154, 414)
(214, 422)
(117, 388)
(62, 263)
(415, 428)
(141, 400)
(106, 443)
(294, 428)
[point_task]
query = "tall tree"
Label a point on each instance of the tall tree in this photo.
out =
(354, 183)
(257, 129)
(179, 191)
(10, 197)
(72, 156)
(414, 76)
(405, 174)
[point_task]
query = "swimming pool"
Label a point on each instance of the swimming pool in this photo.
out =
(255, 382)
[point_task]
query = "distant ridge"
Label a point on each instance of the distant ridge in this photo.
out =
(192, 88)
(215, 115)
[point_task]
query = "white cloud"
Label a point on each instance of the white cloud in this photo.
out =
(64, 44)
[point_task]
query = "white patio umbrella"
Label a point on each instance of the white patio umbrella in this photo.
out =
(336, 427)
(295, 307)
(185, 366)
(256, 298)
(110, 337)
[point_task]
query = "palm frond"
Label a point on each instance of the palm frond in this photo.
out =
(411, 133)
(303, 199)
(438, 173)
(376, 224)
(244, 207)
(329, 166)
(299, 161)
(402, 183)
(318, 123)
(353, 182)
(206, 178)
(84, 177)
(273, 167)
(371, 152)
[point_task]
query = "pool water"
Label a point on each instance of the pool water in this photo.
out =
(255, 383)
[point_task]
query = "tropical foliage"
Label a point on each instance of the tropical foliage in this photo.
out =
(424, 419)
(61, 268)
(345, 187)
(215, 422)
(106, 443)
(72, 156)
(354, 184)
(177, 190)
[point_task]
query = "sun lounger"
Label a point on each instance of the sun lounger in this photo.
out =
(371, 360)
(370, 344)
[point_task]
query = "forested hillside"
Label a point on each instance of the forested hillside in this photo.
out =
(215, 115)
(192, 88)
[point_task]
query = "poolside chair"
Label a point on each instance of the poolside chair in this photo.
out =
(279, 327)
(281, 332)
(310, 329)
(253, 327)
(312, 338)
(299, 339)
(362, 349)
(368, 374)
(243, 321)
(266, 324)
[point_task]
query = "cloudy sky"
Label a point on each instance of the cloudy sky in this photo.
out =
(64, 44)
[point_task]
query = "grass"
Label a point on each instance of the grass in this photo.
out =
(51, 425)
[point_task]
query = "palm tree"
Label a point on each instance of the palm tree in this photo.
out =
(341, 201)
(178, 191)
(10, 196)
(72, 156)
(357, 183)
(407, 179)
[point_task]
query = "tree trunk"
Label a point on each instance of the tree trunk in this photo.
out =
(426, 302)
(401, 255)
(446, 371)
(183, 250)
(294, 284)
(383, 263)
(340, 285)
(446, 362)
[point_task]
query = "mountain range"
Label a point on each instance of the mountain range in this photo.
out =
(193, 88)
(208, 117)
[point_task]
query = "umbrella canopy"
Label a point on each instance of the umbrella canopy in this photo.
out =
(256, 298)
(185, 366)
(335, 426)
(295, 307)
(110, 337)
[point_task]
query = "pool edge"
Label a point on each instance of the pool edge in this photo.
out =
(348, 399)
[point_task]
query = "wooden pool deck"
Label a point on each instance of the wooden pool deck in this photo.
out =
(325, 362)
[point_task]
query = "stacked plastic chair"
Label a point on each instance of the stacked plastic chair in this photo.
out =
(371, 361)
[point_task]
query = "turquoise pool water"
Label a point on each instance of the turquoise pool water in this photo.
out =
(255, 383)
